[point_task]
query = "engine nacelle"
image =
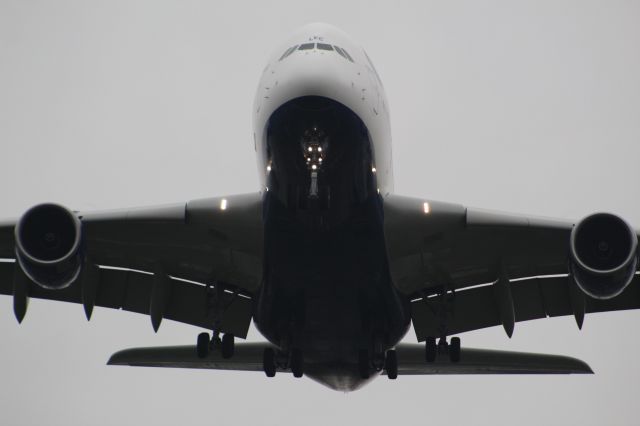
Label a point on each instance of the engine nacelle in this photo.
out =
(48, 245)
(604, 257)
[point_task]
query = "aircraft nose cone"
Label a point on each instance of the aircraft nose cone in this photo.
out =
(312, 73)
(315, 74)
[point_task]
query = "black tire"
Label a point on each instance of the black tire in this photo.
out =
(228, 346)
(391, 364)
(202, 346)
(430, 349)
(454, 349)
(363, 364)
(297, 363)
(269, 362)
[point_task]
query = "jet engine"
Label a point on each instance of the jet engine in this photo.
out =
(604, 257)
(48, 245)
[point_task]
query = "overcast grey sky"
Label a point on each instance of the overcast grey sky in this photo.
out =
(524, 106)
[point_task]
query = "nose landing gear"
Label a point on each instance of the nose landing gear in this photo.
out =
(314, 146)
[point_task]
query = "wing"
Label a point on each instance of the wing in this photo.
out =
(489, 268)
(466, 247)
(197, 262)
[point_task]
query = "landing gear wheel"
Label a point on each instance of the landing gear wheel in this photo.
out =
(430, 349)
(202, 346)
(297, 363)
(391, 364)
(454, 349)
(269, 362)
(363, 363)
(228, 345)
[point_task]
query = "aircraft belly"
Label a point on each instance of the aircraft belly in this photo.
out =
(328, 292)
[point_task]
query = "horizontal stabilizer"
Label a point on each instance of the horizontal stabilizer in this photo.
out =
(247, 357)
(411, 361)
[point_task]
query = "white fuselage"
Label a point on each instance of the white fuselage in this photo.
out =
(316, 68)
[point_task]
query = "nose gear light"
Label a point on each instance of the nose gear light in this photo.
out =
(314, 144)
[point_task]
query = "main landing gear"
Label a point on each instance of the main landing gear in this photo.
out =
(442, 348)
(272, 360)
(217, 304)
(205, 344)
(442, 306)
(388, 361)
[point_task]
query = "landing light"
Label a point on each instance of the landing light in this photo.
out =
(426, 207)
(314, 167)
(373, 170)
(223, 204)
(268, 168)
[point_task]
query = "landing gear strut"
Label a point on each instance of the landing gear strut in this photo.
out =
(442, 306)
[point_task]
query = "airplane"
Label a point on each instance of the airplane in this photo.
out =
(331, 266)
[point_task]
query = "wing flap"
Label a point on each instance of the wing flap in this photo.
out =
(476, 308)
(411, 361)
(186, 302)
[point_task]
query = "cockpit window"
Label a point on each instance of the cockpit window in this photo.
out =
(343, 53)
(348, 56)
(340, 52)
(319, 46)
(288, 52)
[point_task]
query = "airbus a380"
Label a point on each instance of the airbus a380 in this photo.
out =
(332, 267)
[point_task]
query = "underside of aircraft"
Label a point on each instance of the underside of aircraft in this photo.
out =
(332, 266)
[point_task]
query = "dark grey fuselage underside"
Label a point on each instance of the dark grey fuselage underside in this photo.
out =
(327, 288)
